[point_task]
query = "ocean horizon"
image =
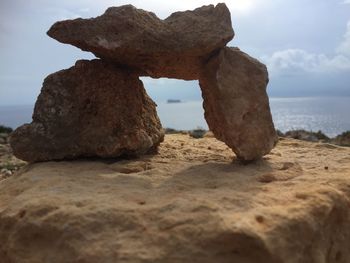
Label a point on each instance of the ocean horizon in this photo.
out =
(328, 114)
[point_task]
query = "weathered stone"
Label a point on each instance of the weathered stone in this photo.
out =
(91, 109)
(186, 204)
(175, 47)
(236, 104)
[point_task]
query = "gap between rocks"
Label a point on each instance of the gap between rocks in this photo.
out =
(179, 103)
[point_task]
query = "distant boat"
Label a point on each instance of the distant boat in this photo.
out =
(173, 101)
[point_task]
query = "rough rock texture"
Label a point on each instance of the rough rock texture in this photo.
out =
(189, 203)
(236, 103)
(91, 109)
(174, 48)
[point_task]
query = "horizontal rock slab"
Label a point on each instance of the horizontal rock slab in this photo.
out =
(91, 109)
(236, 104)
(174, 47)
(189, 203)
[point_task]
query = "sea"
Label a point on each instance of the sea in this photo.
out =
(331, 115)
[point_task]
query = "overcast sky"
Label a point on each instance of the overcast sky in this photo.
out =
(305, 44)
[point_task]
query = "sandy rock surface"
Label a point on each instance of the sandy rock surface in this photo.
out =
(189, 203)
(236, 104)
(174, 47)
(91, 109)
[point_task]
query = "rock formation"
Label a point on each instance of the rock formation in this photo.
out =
(236, 104)
(188, 203)
(175, 47)
(91, 109)
(99, 108)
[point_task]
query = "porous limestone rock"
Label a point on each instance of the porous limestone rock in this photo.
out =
(236, 103)
(189, 203)
(174, 47)
(91, 109)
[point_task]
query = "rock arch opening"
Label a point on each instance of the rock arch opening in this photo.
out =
(179, 103)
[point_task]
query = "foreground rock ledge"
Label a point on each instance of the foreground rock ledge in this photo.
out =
(174, 47)
(189, 203)
(91, 109)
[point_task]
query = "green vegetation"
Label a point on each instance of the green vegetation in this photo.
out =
(345, 134)
(321, 136)
(11, 166)
(342, 139)
(197, 133)
(279, 133)
(4, 129)
(305, 135)
(171, 131)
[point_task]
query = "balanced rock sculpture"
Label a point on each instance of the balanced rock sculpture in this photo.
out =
(100, 108)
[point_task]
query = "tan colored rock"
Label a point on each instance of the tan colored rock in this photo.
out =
(186, 204)
(175, 47)
(236, 103)
(91, 109)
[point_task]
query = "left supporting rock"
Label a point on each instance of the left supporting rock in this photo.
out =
(91, 109)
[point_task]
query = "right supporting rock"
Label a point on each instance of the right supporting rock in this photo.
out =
(236, 104)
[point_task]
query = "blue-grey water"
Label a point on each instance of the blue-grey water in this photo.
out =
(331, 115)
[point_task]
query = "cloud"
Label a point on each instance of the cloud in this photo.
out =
(62, 13)
(346, 2)
(84, 10)
(344, 47)
(92, 7)
(297, 61)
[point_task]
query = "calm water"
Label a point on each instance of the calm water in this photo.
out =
(331, 115)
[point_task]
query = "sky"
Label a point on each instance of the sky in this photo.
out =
(304, 43)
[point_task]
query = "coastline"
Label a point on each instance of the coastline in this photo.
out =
(328, 114)
(9, 164)
(342, 139)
